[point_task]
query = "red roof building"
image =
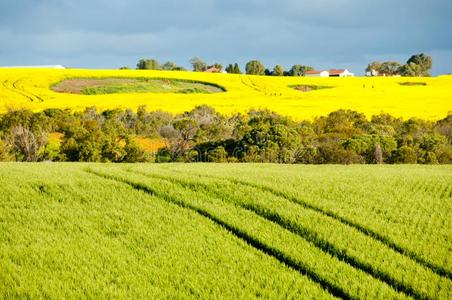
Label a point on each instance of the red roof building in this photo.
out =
(329, 73)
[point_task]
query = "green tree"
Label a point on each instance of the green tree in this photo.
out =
(148, 64)
(390, 68)
(405, 155)
(411, 70)
(164, 155)
(111, 149)
(4, 151)
(255, 67)
(344, 122)
(230, 69)
(331, 152)
(278, 70)
(299, 70)
(444, 127)
(169, 66)
(237, 69)
(218, 155)
(423, 61)
(83, 142)
(133, 153)
(233, 69)
(374, 67)
(198, 64)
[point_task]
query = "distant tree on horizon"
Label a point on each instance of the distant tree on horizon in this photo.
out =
(198, 64)
(233, 69)
(390, 68)
(230, 69)
(255, 67)
(411, 70)
(374, 66)
(237, 69)
(169, 66)
(418, 65)
(299, 70)
(148, 64)
(278, 70)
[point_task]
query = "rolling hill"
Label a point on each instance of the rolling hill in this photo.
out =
(298, 97)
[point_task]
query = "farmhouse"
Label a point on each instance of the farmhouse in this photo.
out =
(340, 73)
(212, 69)
(317, 73)
(374, 73)
(329, 73)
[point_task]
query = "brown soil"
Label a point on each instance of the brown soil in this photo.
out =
(304, 88)
(75, 86)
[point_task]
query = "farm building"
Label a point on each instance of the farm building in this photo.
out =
(340, 73)
(329, 73)
(317, 73)
(213, 69)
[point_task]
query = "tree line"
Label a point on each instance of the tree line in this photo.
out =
(204, 135)
(253, 67)
(416, 65)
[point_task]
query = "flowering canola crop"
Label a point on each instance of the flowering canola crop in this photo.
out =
(30, 88)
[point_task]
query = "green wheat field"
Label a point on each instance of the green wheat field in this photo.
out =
(225, 231)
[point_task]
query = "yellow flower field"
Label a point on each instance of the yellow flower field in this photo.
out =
(29, 88)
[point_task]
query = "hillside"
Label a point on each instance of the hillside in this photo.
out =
(225, 231)
(298, 97)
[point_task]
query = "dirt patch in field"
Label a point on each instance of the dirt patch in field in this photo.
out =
(413, 83)
(76, 86)
(98, 86)
(308, 88)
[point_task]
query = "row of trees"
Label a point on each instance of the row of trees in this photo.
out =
(416, 65)
(253, 67)
(203, 134)
(153, 64)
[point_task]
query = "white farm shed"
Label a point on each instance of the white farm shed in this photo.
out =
(316, 73)
(329, 73)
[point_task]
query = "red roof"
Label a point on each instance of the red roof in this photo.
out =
(212, 69)
(336, 71)
(330, 71)
(313, 72)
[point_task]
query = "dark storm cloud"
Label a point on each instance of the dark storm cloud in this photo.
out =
(323, 33)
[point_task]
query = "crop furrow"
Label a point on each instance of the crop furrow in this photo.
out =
(21, 91)
(303, 232)
(250, 240)
(439, 270)
(5, 84)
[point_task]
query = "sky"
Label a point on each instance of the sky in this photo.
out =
(324, 34)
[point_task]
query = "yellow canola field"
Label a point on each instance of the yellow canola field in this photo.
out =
(29, 88)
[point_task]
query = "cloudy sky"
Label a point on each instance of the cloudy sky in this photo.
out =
(321, 33)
